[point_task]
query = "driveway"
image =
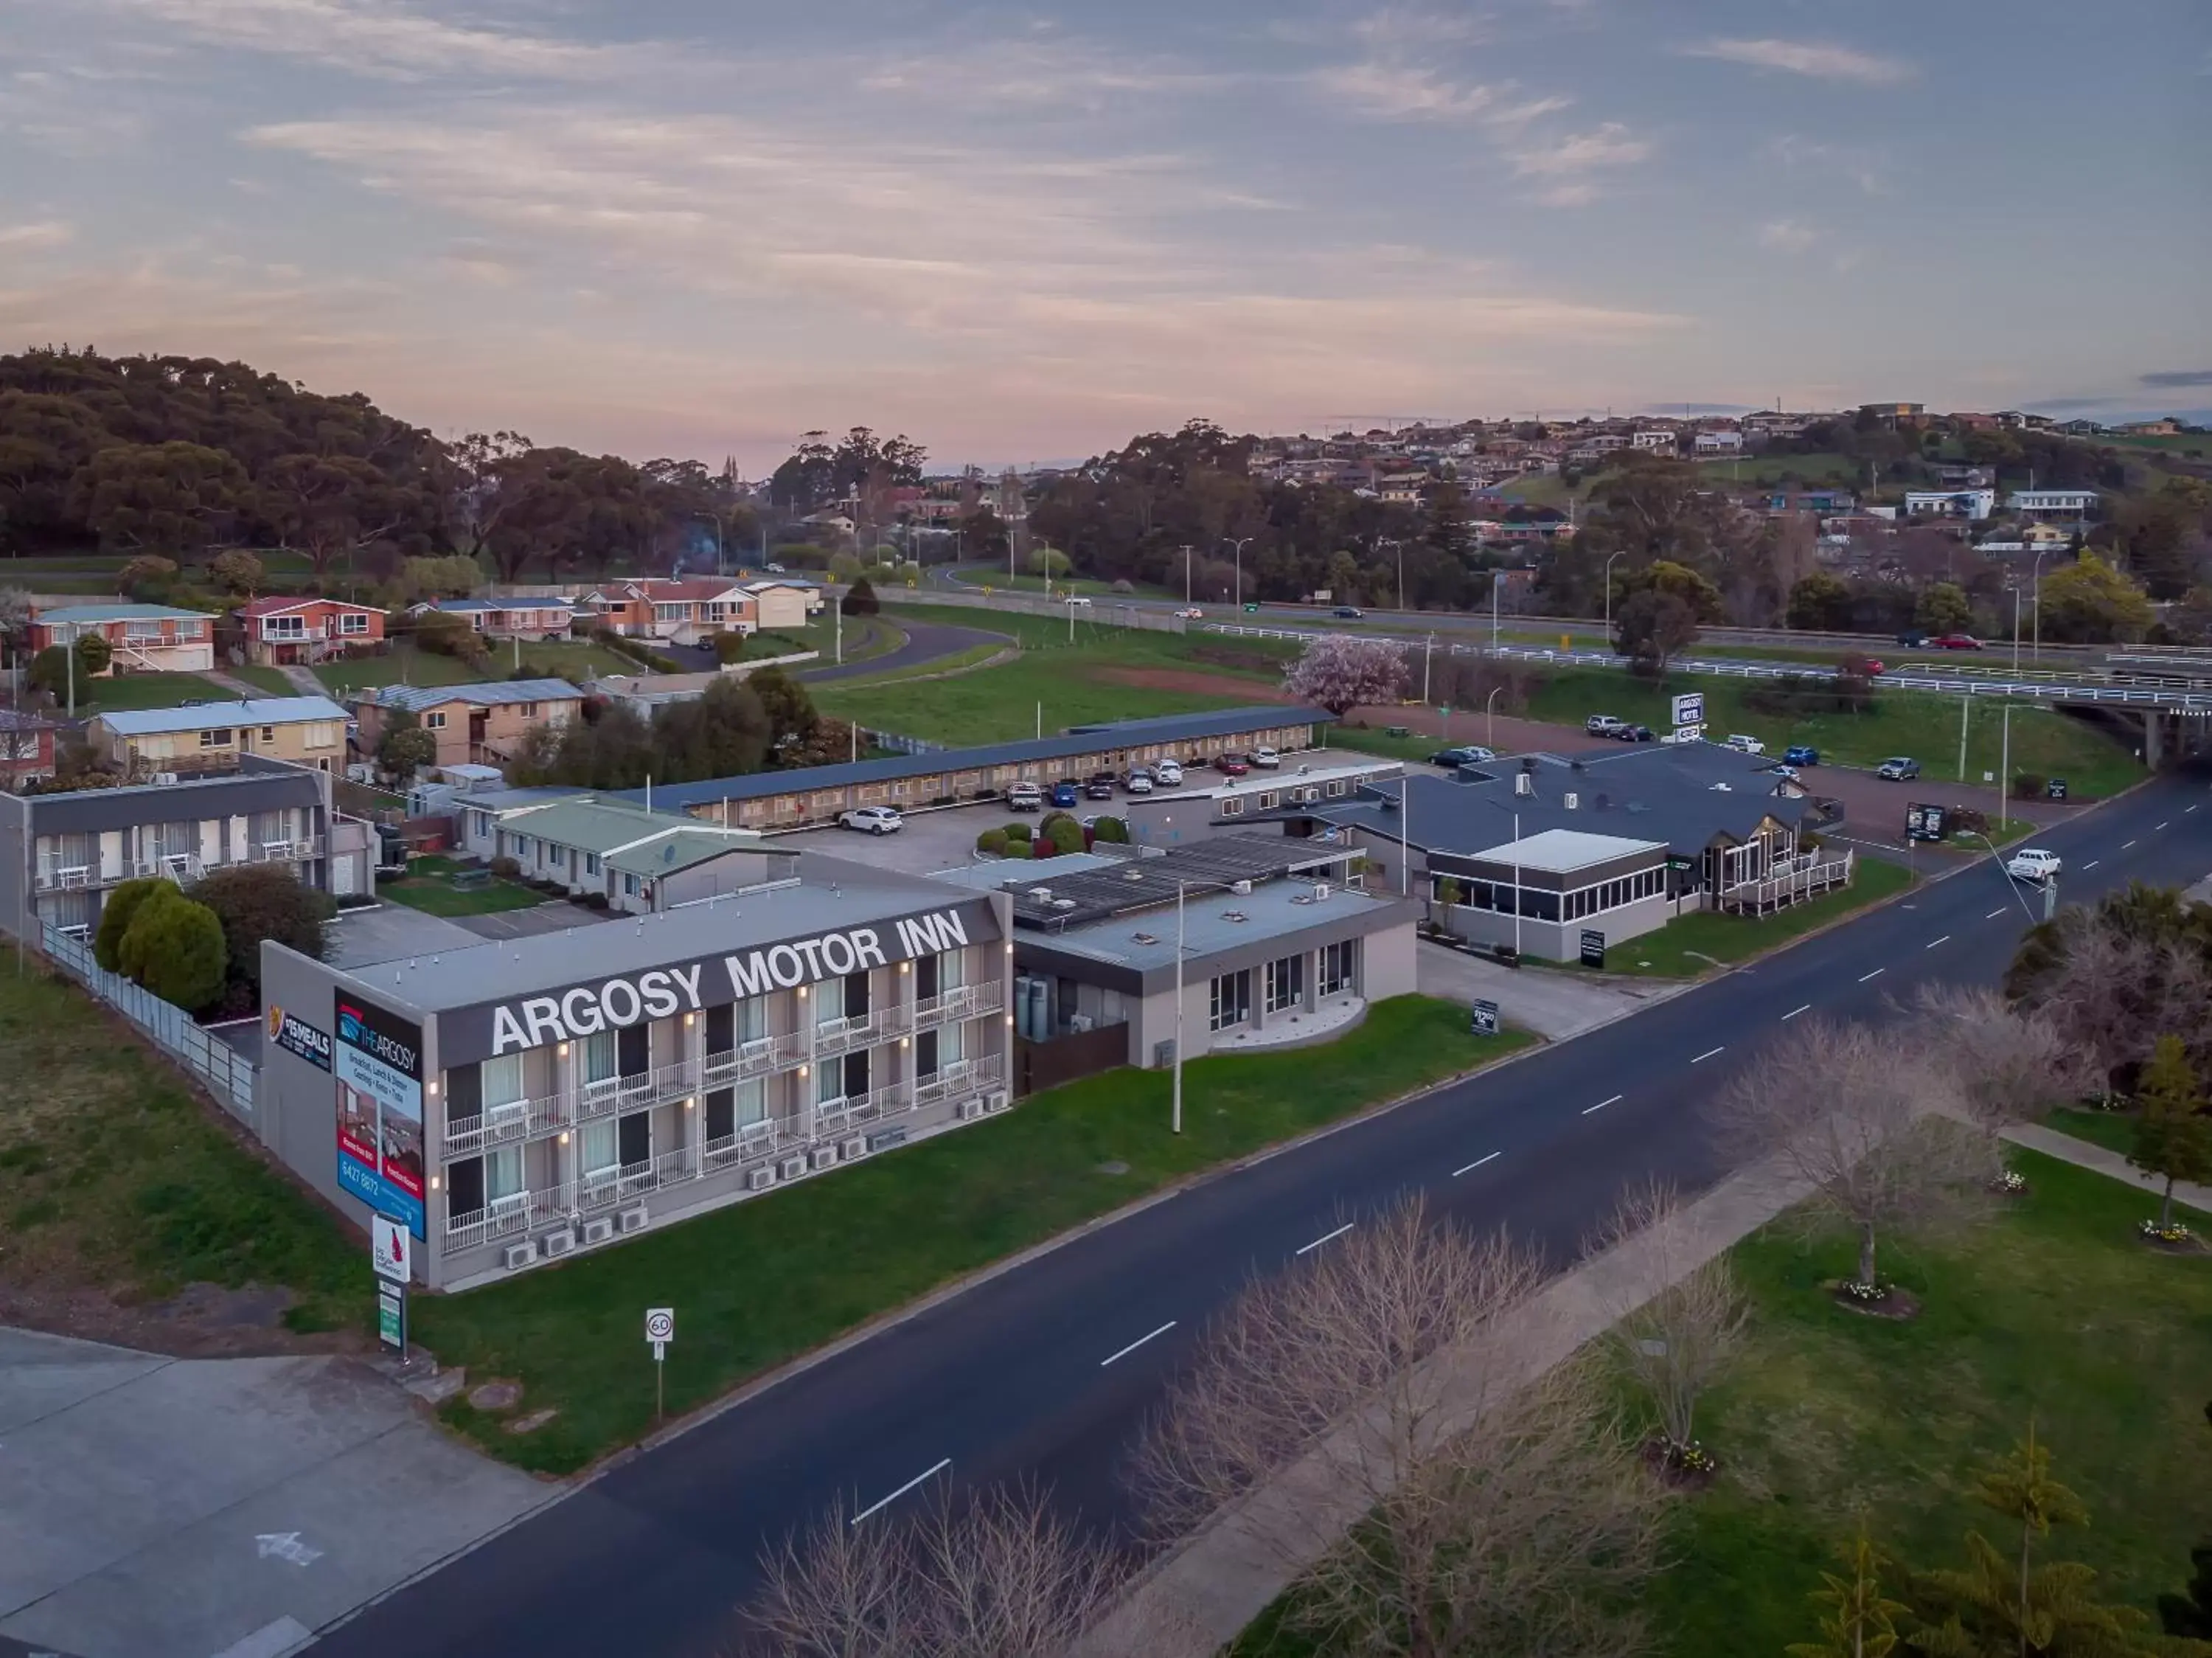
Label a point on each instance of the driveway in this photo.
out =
(930, 841)
(925, 643)
(1555, 1005)
(162, 1508)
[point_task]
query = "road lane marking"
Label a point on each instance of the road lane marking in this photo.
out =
(1946, 939)
(1877, 974)
(1709, 1053)
(2091, 864)
(1602, 1105)
(1135, 1344)
(2162, 825)
(1794, 1012)
(926, 1474)
(2126, 844)
(1477, 1163)
(2187, 809)
(1318, 1242)
(1994, 913)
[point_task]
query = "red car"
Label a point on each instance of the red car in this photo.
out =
(1955, 642)
(1231, 765)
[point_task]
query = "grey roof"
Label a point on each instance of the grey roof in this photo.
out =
(1563, 851)
(484, 693)
(1215, 922)
(1092, 894)
(1170, 727)
(667, 853)
(464, 606)
(594, 823)
(85, 615)
(256, 711)
(233, 793)
(993, 874)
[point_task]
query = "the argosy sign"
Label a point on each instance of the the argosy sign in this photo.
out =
(608, 1005)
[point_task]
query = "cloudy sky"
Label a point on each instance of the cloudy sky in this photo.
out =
(699, 227)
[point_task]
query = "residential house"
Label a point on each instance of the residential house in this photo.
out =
(640, 860)
(1723, 443)
(1820, 502)
(26, 748)
(305, 731)
(2165, 426)
(683, 612)
(1890, 414)
(485, 723)
(2049, 504)
(1656, 440)
(523, 617)
(61, 854)
(1955, 476)
(783, 601)
(141, 638)
(281, 630)
(1971, 504)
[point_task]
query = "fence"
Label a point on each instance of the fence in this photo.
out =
(228, 1074)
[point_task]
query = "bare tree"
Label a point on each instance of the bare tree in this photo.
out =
(2000, 1064)
(1849, 1111)
(992, 1574)
(2110, 991)
(1368, 1416)
(1678, 1319)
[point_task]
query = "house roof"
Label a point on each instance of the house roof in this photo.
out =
(1563, 851)
(464, 606)
(276, 604)
(15, 720)
(488, 693)
(85, 615)
(254, 711)
(667, 853)
(600, 823)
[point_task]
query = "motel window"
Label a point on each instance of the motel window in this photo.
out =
(1232, 807)
(951, 970)
(435, 720)
(829, 1000)
(597, 1150)
(730, 1109)
(269, 733)
(502, 1176)
(500, 1080)
(1231, 999)
(591, 863)
(926, 1060)
(464, 1187)
(215, 738)
(634, 1138)
(629, 886)
(600, 1056)
(529, 710)
(1336, 967)
(951, 1044)
(1269, 801)
(1336, 789)
(1287, 983)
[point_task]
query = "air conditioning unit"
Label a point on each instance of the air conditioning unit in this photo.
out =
(997, 1099)
(598, 1231)
(760, 1180)
(1572, 800)
(558, 1244)
(1523, 784)
(631, 1219)
(1242, 888)
(517, 1256)
(163, 776)
(853, 1149)
(793, 1168)
(1321, 890)
(970, 1110)
(825, 1156)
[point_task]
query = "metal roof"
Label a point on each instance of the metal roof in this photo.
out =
(593, 823)
(1053, 901)
(190, 799)
(484, 693)
(1216, 923)
(462, 607)
(256, 711)
(666, 854)
(72, 615)
(1563, 851)
(1171, 728)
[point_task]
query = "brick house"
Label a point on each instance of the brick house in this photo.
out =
(281, 629)
(141, 638)
(26, 749)
(682, 611)
(544, 618)
(483, 724)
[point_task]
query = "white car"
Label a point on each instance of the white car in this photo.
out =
(2033, 864)
(873, 819)
(1139, 781)
(1744, 745)
(1265, 759)
(1078, 599)
(1682, 737)
(1193, 614)
(1025, 797)
(1168, 774)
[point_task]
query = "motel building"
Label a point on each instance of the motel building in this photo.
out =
(514, 1102)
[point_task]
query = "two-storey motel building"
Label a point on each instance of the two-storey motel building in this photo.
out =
(518, 1101)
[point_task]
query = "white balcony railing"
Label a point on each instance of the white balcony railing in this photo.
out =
(857, 1030)
(494, 1126)
(834, 1116)
(750, 1141)
(961, 1002)
(66, 877)
(286, 851)
(501, 1217)
(958, 1080)
(754, 1058)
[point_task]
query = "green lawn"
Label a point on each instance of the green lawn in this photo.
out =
(1822, 468)
(119, 692)
(428, 885)
(1924, 725)
(973, 656)
(573, 659)
(269, 681)
(865, 637)
(2115, 1130)
(2053, 1313)
(986, 575)
(760, 1282)
(115, 1181)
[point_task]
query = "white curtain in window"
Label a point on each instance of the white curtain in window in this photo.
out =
(829, 1000)
(596, 1155)
(952, 1044)
(599, 1058)
(951, 970)
(502, 1080)
(751, 1101)
(829, 1081)
(502, 1174)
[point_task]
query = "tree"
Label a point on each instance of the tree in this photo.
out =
(1847, 1111)
(1944, 608)
(2089, 601)
(175, 496)
(1340, 672)
(1651, 629)
(146, 576)
(1821, 603)
(405, 747)
(2002, 1065)
(1343, 578)
(2190, 1615)
(2115, 978)
(236, 571)
(1677, 1320)
(456, 576)
(2173, 1134)
(256, 902)
(95, 655)
(1371, 1408)
(115, 918)
(860, 598)
(1051, 563)
(1858, 1621)
(790, 710)
(175, 947)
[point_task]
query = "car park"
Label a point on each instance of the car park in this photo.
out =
(1470, 755)
(1800, 753)
(1603, 725)
(1348, 613)
(1898, 768)
(872, 820)
(1168, 774)
(1633, 733)
(2033, 863)
(1955, 642)
(1025, 797)
(1099, 786)
(1744, 745)
(1266, 758)
(1231, 765)
(1065, 793)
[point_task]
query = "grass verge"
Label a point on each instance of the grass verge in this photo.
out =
(269, 681)
(428, 885)
(121, 692)
(572, 660)
(1691, 944)
(2115, 1130)
(119, 1183)
(827, 1255)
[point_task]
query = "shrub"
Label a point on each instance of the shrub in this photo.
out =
(1066, 836)
(1019, 831)
(1045, 824)
(1020, 849)
(992, 841)
(263, 901)
(505, 868)
(1125, 585)
(2029, 785)
(1113, 831)
(1793, 696)
(860, 598)
(115, 920)
(729, 646)
(175, 947)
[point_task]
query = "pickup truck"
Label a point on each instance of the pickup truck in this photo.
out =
(1603, 725)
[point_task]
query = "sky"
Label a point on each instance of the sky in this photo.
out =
(1021, 232)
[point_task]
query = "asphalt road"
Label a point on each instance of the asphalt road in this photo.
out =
(1026, 1373)
(925, 643)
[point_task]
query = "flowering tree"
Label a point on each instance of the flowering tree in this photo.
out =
(1340, 672)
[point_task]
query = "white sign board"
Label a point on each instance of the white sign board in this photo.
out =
(659, 1329)
(1690, 709)
(387, 1248)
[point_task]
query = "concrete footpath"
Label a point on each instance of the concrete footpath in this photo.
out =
(1555, 1004)
(160, 1507)
(2082, 1154)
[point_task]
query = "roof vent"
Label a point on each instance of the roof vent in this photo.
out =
(1063, 904)
(1040, 894)
(1523, 784)
(1240, 888)
(1144, 938)
(1133, 874)
(1234, 915)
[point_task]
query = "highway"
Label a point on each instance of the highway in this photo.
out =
(1047, 1369)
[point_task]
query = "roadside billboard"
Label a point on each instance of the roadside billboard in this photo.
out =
(380, 1107)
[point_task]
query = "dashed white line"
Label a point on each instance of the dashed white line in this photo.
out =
(1135, 1344)
(1946, 939)
(879, 1507)
(2091, 864)
(1994, 913)
(1319, 1241)
(1877, 974)
(1794, 1012)
(2162, 825)
(1602, 1105)
(1709, 1053)
(1491, 1158)
(2187, 809)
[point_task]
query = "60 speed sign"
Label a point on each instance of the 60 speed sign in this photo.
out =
(660, 1324)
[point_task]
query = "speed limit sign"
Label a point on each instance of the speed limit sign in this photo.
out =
(660, 1326)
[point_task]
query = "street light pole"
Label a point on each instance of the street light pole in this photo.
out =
(1175, 1114)
(2036, 605)
(1237, 546)
(1490, 719)
(1608, 597)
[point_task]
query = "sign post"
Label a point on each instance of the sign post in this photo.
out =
(1593, 947)
(659, 1330)
(389, 1243)
(1482, 1018)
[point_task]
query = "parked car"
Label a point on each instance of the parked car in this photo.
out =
(1603, 725)
(1193, 615)
(1025, 797)
(1349, 613)
(1898, 768)
(1168, 774)
(1634, 734)
(1911, 639)
(1266, 758)
(1138, 781)
(872, 820)
(1472, 754)
(1955, 642)
(1744, 745)
(2033, 863)
(1800, 753)
(1231, 765)
(775, 569)
(1065, 793)
(1078, 598)
(1683, 737)
(1100, 786)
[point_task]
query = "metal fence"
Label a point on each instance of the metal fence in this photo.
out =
(229, 1074)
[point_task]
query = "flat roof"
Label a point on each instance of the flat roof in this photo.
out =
(1001, 874)
(1146, 883)
(1213, 921)
(256, 710)
(1562, 852)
